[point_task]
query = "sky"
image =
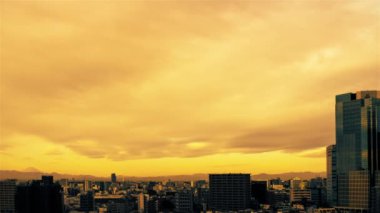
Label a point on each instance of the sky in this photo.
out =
(147, 88)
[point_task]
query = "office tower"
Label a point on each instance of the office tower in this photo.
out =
(101, 185)
(357, 150)
(201, 198)
(295, 183)
(87, 201)
(152, 205)
(42, 196)
(300, 195)
(141, 202)
(184, 201)
(7, 196)
(277, 197)
(317, 188)
(113, 178)
(331, 175)
(230, 192)
(259, 191)
(87, 185)
(299, 190)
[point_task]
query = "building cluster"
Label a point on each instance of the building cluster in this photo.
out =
(353, 163)
(221, 193)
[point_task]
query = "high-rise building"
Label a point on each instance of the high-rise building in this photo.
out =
(230, 192)
(277, 197)
(331, 175)
(87, 201)
(295, 183)
(113, 178)
(41, 196)
(299, 195)
(201, 198)
(317, 188)
(87, 185)
(141, 202)
(259, 191)
(357, 150)
(376, 190)
(7, 196)
(184, 201)
(299, 190)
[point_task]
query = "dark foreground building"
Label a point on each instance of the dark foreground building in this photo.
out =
(259, 191)
(42, 196)
(357, 152)
(7, 196)
(230, 192)
(87, 201)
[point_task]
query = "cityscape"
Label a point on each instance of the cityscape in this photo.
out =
(189, 106)
(352, 183)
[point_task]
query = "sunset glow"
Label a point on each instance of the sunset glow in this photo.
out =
(149, 88)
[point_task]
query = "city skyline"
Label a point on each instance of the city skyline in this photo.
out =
(166, 88)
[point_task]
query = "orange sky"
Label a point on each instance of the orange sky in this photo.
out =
(179, 87)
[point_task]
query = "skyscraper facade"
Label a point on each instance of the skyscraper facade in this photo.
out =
(230, 192)
(87, 201)
(331, 175)
(259, 191)
(184, 201)
(7, 196)
(113, 178)
(357, 150)
(141, 202)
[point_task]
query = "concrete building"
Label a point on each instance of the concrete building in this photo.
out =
(7, 196)
(300, 195)
(295, 183)
(184, 201)
(87, 185)
(259, 191)
(141, 202)
(113, 178)
(87, 201)
(317, 188)
(230, 192)
(277, 197)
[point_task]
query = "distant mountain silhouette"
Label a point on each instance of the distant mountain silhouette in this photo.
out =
(22, 175)
(289, 175)
(36, 174)
(31, 169)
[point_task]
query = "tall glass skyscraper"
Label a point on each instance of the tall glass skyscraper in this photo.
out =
(357, 150)
(331, 174)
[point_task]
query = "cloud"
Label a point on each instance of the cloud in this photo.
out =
(296, 136)
(143, 80)
(54, 152)
(315, 155)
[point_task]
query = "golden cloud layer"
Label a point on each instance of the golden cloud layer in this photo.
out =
(138, 80)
